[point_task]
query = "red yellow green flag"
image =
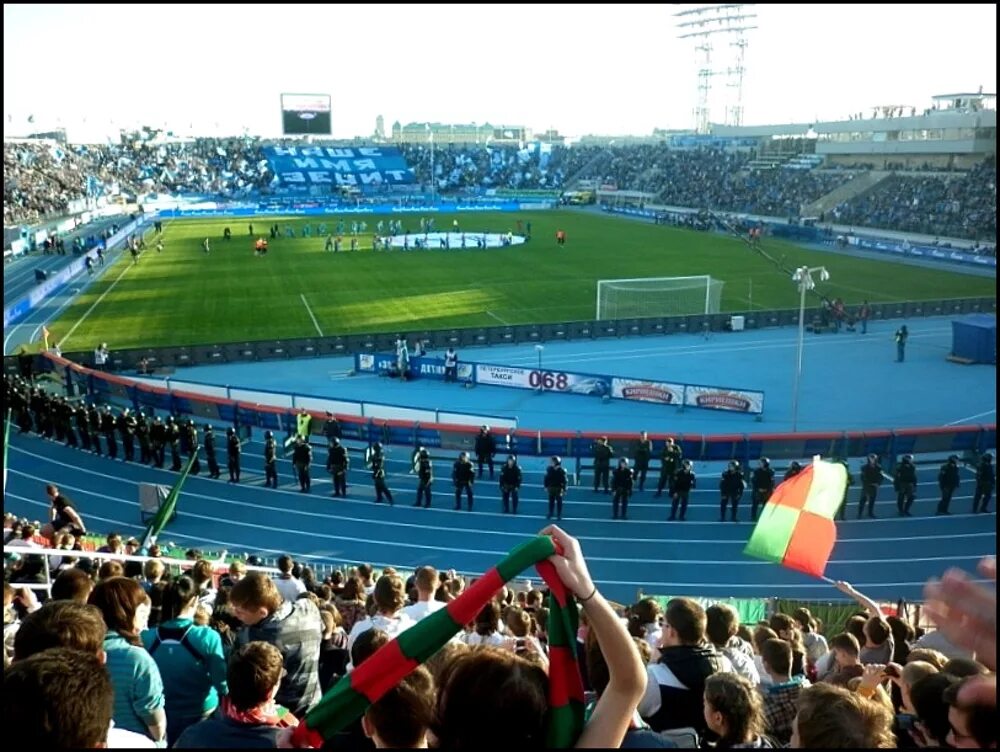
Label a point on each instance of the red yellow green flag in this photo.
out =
(796, 528)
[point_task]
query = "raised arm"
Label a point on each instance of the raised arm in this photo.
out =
(613, 714)
(861, 598)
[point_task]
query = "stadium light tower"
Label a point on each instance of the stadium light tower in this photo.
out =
(703, 24)
(804, 279)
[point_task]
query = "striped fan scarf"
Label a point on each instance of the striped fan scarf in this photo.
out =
(350, 697)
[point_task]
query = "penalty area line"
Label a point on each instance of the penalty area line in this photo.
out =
(311, 315)
(505, 323)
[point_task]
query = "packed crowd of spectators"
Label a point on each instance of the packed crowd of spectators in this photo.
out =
(137, 654)
(42, 177)
(964, 206)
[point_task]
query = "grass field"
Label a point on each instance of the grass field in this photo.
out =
(183, 296)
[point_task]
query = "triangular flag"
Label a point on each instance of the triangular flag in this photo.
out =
(796, 527)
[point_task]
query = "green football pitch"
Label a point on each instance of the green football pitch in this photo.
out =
(183, 296)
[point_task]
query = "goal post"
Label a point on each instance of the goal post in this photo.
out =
(644, 297)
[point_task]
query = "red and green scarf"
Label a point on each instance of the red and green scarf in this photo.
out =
(350, 697)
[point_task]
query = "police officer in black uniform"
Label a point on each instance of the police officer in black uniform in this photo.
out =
(986, 481)
(191, 434)
(233, 451)
(158, 438)
(376, 462)
(301, 460)
(108, 429)
(126, 430)
(69, 415)
(337, 464)
(684, 481)
(425, 476)
(762, 481)
(602, 463)
(142, 436)
(731, 487)
(510, 483)
(643, 453)
(94, 423)
(948, 481)
(331, 428)
(904, 481)
(463, 475)
(174, 439)
(213, 463)
(871, 479)
(82, 426)
(555, 485)
(486, 448)
(622, 481)
(670, 462)
(270, 460)
(58, 424)
(793, 469)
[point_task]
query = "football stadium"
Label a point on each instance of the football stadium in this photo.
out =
(315, 432)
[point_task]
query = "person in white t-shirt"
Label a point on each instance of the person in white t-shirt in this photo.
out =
(426, 582)
(389, 596)
(288, 585)
(487, 627)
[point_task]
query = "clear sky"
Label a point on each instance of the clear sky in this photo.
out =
(611, 69)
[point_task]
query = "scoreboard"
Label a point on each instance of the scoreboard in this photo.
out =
(305, 114)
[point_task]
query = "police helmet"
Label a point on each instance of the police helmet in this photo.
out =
(231, 431)
(424, 454)
(512, 458)
(987, 458)
(268, 435)
(907, 458)
(623, 462)
(953, 459)
(463, 455)
(208, 428)
(335, 441)
(377, 446)
(795, 465)
(765, 462)
(557, 460)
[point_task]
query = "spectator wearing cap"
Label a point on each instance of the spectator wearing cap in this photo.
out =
(249, 716)
(295, 628)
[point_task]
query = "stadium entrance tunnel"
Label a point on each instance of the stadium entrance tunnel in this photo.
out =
(453, 240)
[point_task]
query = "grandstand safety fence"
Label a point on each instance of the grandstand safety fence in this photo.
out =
(968, 441)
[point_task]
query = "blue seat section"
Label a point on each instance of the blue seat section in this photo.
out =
(888, 558)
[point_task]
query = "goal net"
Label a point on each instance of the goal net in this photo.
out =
(657, 296)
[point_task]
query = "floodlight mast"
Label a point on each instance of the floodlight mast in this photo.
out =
(704, 24)
(802, 277)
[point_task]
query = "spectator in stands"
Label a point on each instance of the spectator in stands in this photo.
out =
(333, 656)
(389, 598)
(676, 682)
(113, 545)
(152, 573)
(288, 585)
(426, 582)
(110, 569)
(781, 696)
(132, 568)
(201, 574)
(486, 630)
(294, 628)
(638, 735)
(61, 624)
(248, 716)
(138, 687)
(733, 711)
(236, 572)
(932, 727)
(72, 584)
(190, 658)
(721, 624)
(489, 696)
(879, 646)
(814, 643)
(973, 722)
(351, 603)
(847, 665)
(63, 517)
(936, 658)
(761, 635)
(645, 619)
(835, 718)
(963, 667)
(402, 717)
(909, 675)
(902, 635)
(365, 573)
(57, 699)
(65, 542)
(787, 629)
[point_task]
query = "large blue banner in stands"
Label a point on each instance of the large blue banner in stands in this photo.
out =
(328, 165)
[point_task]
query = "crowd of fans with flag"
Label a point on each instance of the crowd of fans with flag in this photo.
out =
(43, 177)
